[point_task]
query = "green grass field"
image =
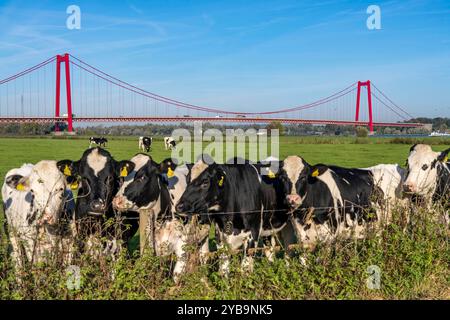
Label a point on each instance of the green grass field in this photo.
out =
(415, 265)
(349, 152)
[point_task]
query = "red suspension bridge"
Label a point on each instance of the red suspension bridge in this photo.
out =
(35, 95)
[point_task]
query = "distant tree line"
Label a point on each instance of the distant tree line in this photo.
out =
(439, 124)
(30, 129)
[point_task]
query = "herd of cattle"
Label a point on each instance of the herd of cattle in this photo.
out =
(145, 143)
(248, 203)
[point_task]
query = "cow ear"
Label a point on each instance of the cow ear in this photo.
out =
(412, 148)
(68, 167)
(124, 167)
(443, 156)
(18, 182)
(318, 170)
(221, 176)
(168, 167)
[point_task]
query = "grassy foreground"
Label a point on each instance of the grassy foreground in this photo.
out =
(414, 264)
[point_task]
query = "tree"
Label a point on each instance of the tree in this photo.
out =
(275, 125)
(362, 132)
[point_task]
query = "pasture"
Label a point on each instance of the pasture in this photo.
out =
(413, 264)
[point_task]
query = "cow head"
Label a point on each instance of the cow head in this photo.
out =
(423, 165)
(203, 193)
(293, 176)
(97, 174)
(46, 186)
(142, 188)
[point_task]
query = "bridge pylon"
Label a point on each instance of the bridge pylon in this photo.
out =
(369, 103)
(59, 59)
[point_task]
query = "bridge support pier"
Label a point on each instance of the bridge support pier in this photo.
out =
(369, 103)
(59, 59)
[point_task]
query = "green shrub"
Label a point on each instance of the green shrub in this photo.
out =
(362, 132)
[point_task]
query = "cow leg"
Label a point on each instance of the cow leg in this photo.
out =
(204, 251)
(224, 262)
(113, 248)
(129, 227)
(270, 252)
(298, 230)
(288, 235)
(224, 259)
(247, 261)
(16, 253)
(180, 265)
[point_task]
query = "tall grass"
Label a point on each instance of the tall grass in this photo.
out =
(414, 264)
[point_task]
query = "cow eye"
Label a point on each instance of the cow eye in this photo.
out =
(205, 184)
(424, 167)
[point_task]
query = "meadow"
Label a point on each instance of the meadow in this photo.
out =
(414, 264)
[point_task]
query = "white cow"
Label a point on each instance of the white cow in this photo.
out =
(34, 199)
(428, 172)
(428, 177)
(169, 143)
(389, 178)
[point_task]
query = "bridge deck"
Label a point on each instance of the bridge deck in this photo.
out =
(204, 119)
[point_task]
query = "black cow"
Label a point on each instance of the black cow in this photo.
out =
(98, 175)
(151, 189)
(236, 199)
(327, 200)
(98, 141)
(145, 143)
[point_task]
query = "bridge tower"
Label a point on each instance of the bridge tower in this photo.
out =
(369, 103)
(59, 59)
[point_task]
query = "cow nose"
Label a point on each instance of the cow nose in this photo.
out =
(180, 207)
(47, 217)
(408, 187)
(117, 202)
(293, 199)
(97, 205)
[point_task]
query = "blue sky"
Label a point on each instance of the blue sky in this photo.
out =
(245, 55)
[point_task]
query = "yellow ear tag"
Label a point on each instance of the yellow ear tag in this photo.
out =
(124, 172)
(20, 187)
(170, 172)
(315, 173)
(445, 159)
(221, 181)
(67, 171)
(271, 175)
(74, 185)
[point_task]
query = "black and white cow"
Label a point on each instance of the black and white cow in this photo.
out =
(169, 143)
(428, 175)
(151, 189)
(98, 141)
(145, 143)
(38, 206)
(237, 200)
(97, 174)
(328, 201)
